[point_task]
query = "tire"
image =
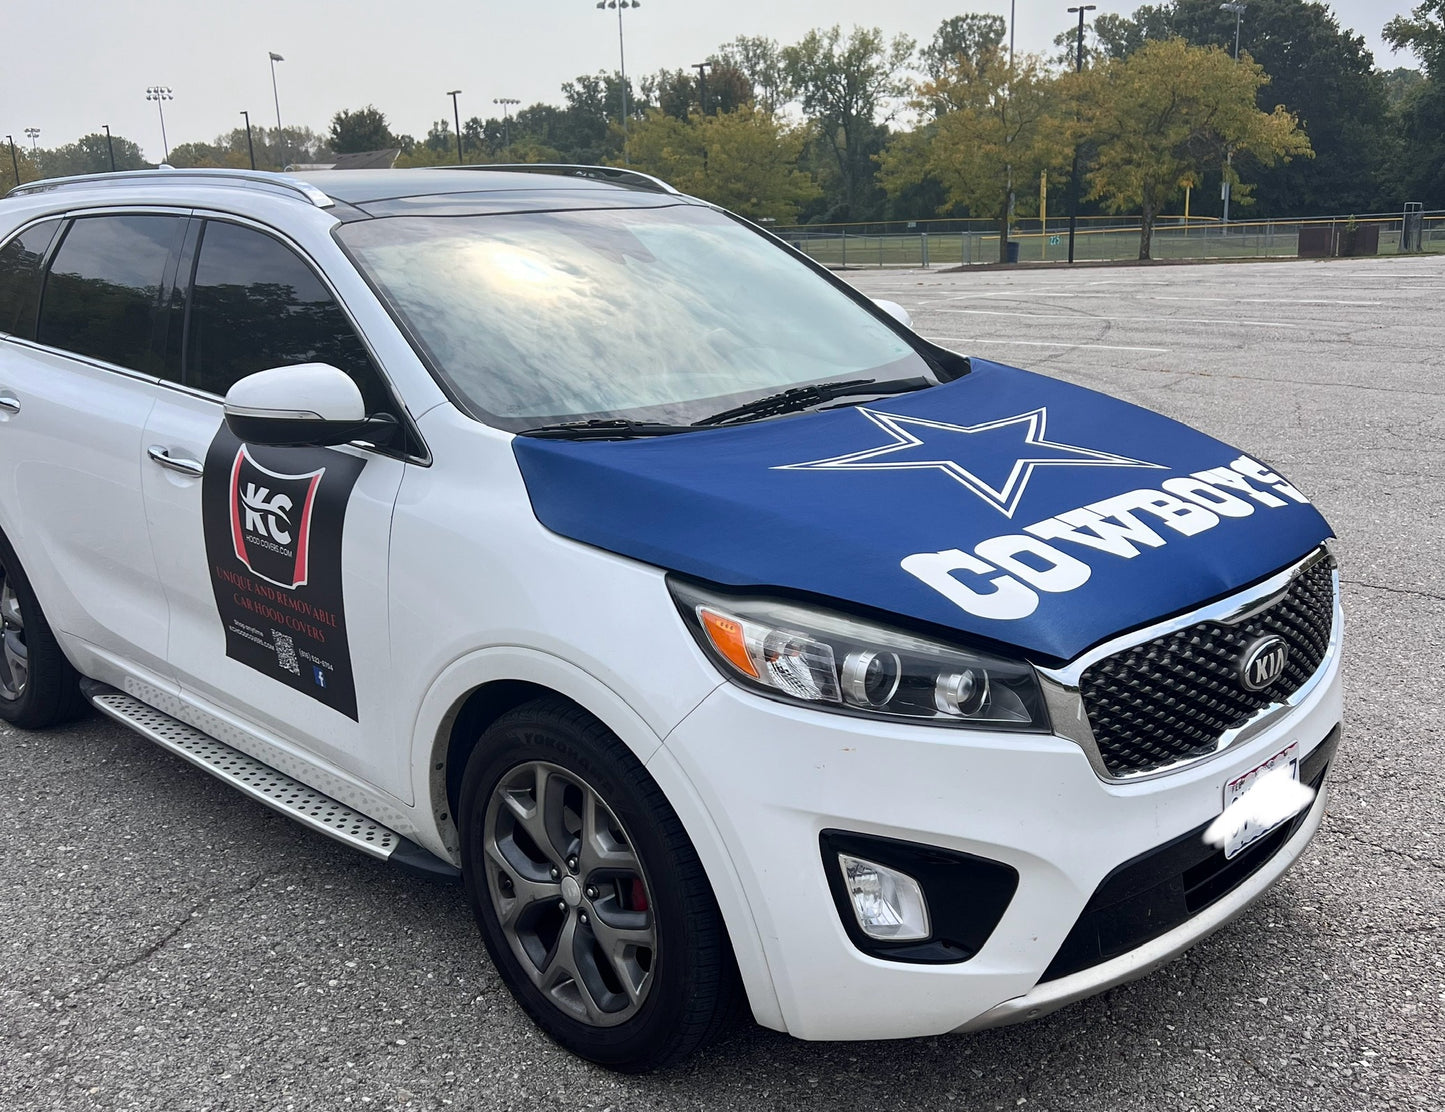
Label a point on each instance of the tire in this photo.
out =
(38, 686)
(553, 905)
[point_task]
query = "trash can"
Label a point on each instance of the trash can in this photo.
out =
(1013, 250)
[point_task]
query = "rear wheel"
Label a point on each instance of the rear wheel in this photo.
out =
(38, 687)
(590, 898)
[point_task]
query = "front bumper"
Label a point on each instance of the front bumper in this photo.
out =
(774, 777)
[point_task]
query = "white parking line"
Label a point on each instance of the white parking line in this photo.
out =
(1039, 343)
(1151, 320)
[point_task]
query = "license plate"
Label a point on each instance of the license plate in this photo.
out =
(1251, 831)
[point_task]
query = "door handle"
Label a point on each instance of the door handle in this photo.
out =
(10, 403)
(190, 467)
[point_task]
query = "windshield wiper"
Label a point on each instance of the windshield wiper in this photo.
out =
(802, 397)
(608, 428)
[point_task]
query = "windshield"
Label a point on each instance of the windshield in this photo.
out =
(656, 314)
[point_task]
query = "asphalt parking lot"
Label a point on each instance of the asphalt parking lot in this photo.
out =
(168, 944)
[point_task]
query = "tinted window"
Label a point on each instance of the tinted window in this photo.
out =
(20, 261)
(101, 293)
(255, 305)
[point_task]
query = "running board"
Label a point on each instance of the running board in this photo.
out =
(265, 785)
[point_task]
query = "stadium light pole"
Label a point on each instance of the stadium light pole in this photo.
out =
(1237, 7)
(14, 160)
(702, 68)
(32, 133)
(250, 147)
(109, 146)
(506, 103)
(1074, 175)
(160, 94)
(457, 119)
(621, 6)
(276, 96)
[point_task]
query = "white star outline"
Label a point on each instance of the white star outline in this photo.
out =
(1004, 499)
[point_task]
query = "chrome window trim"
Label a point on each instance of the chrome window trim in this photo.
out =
(1070, 720)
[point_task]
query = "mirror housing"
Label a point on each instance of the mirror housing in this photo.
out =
(896, 311)
(304, 404)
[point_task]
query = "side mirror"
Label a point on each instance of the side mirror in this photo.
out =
(309, 403)
(896, 311)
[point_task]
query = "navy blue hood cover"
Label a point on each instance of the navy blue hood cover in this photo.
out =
(1005, 504)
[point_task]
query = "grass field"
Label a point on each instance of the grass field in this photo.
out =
(1272, 240)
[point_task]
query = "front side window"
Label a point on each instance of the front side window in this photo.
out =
(20, 261)
(100, 296)
(666, 314)
(256, 305)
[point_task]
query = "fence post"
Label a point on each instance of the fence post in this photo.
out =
(880, 251)
(967, 238)
(845, 246)
(924, 237)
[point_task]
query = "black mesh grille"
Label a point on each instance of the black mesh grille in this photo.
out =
(1170, 699)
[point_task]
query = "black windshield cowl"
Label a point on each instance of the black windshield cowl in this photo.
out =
(802, 397)
(612, 428)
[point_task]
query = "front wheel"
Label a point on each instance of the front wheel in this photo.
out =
(591, 901)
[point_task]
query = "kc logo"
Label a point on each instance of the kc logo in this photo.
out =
(271, 520)
(267, 517)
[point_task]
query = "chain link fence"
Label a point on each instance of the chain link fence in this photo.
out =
(948, 243)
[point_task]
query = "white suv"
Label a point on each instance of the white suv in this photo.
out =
(729, 640)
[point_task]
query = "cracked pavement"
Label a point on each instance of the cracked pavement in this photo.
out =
(168, 943)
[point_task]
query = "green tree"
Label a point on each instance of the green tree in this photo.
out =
(365, 129)
(844, 84)
(745, 160)
(1167, 112)
(28, 171)
(89, 155)
(760, 61)
(994, 127)
(971, 35)
(1400, 82)
(1420, 165)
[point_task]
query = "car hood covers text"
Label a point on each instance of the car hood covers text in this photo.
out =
(1007, 505)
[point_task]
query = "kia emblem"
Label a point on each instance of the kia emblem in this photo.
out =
(1263, 662)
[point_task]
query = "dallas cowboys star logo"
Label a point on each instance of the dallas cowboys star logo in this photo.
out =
(994, 459)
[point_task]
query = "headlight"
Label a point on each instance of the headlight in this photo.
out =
(836, 662)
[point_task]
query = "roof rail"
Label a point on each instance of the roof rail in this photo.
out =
(213, 176)
(616, 174)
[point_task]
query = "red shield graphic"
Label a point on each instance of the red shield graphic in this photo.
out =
(271, 520)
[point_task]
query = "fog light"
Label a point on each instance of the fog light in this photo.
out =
(889, 905)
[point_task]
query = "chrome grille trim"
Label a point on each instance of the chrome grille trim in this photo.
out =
(1062, 686)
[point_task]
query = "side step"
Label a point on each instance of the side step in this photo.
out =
(263, 783)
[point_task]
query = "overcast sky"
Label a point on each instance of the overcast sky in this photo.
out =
(72, 65)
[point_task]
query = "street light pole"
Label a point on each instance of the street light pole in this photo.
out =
(160, 94)
(457, 119)
(109, 146)
(276, 96)
(250, 147)
(1074, 174)
(621, 6)
(702, 68)
(14, 161)
(506, 103)
(1237, 7)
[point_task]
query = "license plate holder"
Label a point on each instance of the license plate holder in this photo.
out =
(1250, 832)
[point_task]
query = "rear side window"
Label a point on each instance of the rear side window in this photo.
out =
(103, 287)
(256, 305)
(20, 261)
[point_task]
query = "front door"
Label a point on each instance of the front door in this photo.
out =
(274, 560)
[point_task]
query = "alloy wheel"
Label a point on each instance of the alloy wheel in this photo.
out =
(14, 656)
(570, 893)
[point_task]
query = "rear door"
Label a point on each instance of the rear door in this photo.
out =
(78, 367)
(274, 560)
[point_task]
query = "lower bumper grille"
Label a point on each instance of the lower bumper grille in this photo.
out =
(1157, 891)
